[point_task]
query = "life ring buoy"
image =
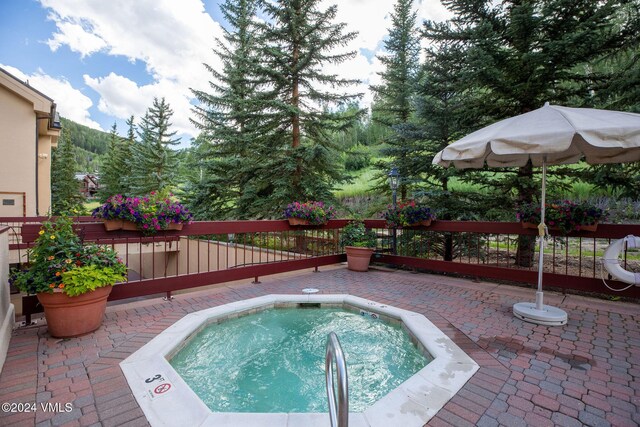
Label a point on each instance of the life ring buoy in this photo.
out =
(612, 262)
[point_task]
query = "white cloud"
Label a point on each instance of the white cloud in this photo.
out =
(432, 10)
(122, 97)
(173, 39)
(71, 103)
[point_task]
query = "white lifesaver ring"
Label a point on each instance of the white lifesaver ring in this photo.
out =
(612, 262)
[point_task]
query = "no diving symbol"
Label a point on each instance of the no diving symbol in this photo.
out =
(162, 388)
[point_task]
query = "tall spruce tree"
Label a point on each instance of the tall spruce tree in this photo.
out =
(521, 54)
(65, 189)
(115, 166)
(394, 105)
(443, 107)
(229, 117)
(298, 158)
(154, 161)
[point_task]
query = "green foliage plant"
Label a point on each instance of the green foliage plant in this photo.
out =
(56, 255)
(356, 234)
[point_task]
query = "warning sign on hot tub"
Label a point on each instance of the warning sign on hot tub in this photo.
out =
(158, 386)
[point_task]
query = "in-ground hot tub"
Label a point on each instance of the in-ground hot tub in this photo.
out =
(417, 394)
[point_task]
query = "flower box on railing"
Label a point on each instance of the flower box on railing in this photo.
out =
(148, 214)
(308, 213)
(590, 227)
(408, 214)
(565, 216)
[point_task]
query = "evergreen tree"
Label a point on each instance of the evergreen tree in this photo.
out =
(65, 189)
(521, 54)
(298, 155)
(154, 161)
(115, 170)
(444, 106)
(267, 126)
(394, 106)
(394, 96)
(229, 118)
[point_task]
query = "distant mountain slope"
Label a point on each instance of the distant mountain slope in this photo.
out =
(90, 144)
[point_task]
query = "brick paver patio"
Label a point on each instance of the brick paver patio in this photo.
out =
(584, 373)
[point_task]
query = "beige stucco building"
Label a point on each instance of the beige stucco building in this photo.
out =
(30, 129)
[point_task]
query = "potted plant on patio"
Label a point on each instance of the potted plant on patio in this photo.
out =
(72, 281)
(149, 214)
(564, 215)
(408, 214)
(359, 244)
(308, 213)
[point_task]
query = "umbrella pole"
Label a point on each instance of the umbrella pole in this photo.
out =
(539, 313)
(542, 232)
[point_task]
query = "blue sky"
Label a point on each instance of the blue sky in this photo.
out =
(105, 60)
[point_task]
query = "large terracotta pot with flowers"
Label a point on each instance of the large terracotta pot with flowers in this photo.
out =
(359, 244)
(72, 281)
(74, 316)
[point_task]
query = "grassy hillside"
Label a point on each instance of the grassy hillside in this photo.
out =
(90, 144)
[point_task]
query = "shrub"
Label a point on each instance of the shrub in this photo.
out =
(356, 234)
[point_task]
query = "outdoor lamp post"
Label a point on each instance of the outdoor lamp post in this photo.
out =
(394, 181)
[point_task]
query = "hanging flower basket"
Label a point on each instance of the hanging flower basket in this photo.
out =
(129, 225)
(592, 227)
(112, 224)
(423, 223)
(148, 214)
(308, 213)
(565, 216)
(300, 221)
(408, 214)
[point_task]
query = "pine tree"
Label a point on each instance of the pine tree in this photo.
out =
(65, 189)
(229, 118)
(298, 156)
(444, 105)
(154, 161)
(521, 54)
(114, 167)
(394, 106)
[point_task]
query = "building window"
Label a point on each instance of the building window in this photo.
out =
(8, 202)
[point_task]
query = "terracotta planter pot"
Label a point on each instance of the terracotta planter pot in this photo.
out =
(174, 226)
(358, 258)
(129, 225)
(112, 224)
(592, 227)
(529, 225)
(73, 316)
(424, 223)
(298, 221)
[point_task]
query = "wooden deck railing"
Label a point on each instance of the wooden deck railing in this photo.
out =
(206, 253)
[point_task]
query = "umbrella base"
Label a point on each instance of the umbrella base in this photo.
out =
(549, 316)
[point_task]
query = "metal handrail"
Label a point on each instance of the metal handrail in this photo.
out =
(338, 408)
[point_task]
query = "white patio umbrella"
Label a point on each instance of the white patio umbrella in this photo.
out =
(550, 135)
